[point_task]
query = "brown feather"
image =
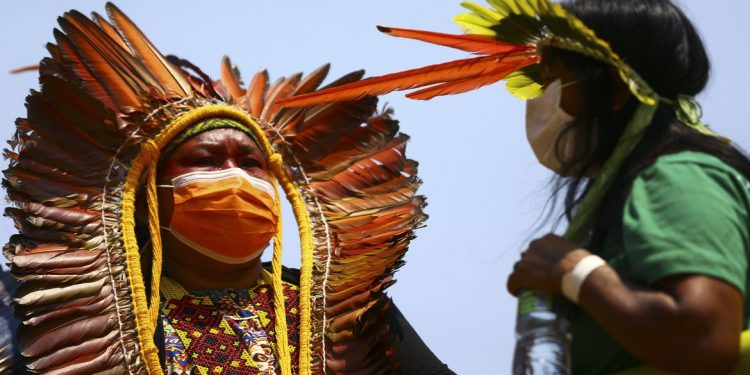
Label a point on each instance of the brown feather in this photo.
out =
(230, 79)
(312, 80)
(121, 89)
(170, 78)
(39, 340)
(110, 30)
(279, 90)
(121, 60)
(108, 361)
(91, 309)
(71, 59)
(256, 93)
(71, 353)
(28, 311)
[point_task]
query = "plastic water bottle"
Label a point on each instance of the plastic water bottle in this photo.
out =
(542, 337)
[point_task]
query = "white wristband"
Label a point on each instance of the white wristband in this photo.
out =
(573, 280)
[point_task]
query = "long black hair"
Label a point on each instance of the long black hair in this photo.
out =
(660, 43)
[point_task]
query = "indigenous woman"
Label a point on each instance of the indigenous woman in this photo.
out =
(655, 261)
(145, 194)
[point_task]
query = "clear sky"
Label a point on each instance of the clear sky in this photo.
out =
(484, 187)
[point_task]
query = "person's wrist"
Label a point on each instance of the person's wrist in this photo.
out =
(570, 260)
(572, 281)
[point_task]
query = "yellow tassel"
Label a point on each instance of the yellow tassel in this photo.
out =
(279, 306)
(151, 152)
(143, 322)
(306, 242)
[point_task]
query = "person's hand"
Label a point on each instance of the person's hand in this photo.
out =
(543, 265)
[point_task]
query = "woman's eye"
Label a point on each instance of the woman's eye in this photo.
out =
(250, 163)
(203, 162)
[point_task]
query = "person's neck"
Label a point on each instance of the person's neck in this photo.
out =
(201, 274)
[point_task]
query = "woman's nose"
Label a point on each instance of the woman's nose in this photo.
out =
(230, 163)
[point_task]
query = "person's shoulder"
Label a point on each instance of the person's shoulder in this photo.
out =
(693, 166)
(692, 158)
(690, 176)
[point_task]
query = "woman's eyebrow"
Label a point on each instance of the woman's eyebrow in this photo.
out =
(219, 146)
(209, 146)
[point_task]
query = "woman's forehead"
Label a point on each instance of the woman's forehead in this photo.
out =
(220, 136)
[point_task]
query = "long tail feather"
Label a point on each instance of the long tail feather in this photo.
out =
(469, 84)
(414, 78)
(479, 44)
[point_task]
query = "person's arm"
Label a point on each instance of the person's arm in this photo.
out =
(687, 324)
(684, 247)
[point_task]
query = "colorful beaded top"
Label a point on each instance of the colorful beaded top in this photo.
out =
(230, 331)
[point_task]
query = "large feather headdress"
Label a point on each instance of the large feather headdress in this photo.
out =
(109, 102)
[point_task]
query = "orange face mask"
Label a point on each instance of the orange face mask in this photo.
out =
(226, 215)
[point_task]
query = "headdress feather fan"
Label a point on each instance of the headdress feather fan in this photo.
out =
(106, 93)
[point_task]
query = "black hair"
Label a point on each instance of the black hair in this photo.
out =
(660, 43)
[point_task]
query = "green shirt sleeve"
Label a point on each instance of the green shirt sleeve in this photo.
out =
(688, 213)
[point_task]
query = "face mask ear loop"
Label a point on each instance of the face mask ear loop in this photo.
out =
(152, 155)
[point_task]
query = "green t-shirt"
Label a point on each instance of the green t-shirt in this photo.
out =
(688, 213)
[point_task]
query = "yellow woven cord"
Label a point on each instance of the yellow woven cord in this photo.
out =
(741, 368)
(306, 242)
(279, 305)
(151, 159)
(144, 325)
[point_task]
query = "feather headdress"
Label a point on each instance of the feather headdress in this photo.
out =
(109, 101)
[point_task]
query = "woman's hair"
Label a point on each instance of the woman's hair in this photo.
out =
(659, 42)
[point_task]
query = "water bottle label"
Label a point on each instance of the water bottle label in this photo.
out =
(530, 301)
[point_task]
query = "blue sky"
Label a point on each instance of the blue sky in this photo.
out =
(484, 187)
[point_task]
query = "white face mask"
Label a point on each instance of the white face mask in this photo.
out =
(545, 122)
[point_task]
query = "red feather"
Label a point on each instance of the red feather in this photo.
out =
(428, 75)
(479, 44)
(473, 83)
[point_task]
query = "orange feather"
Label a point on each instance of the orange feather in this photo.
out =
(256, 92)
(473, 83)
(170, 78)
(73, 60)
(428, 75)
(230, 79)
(479, 44)
(109, 30)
